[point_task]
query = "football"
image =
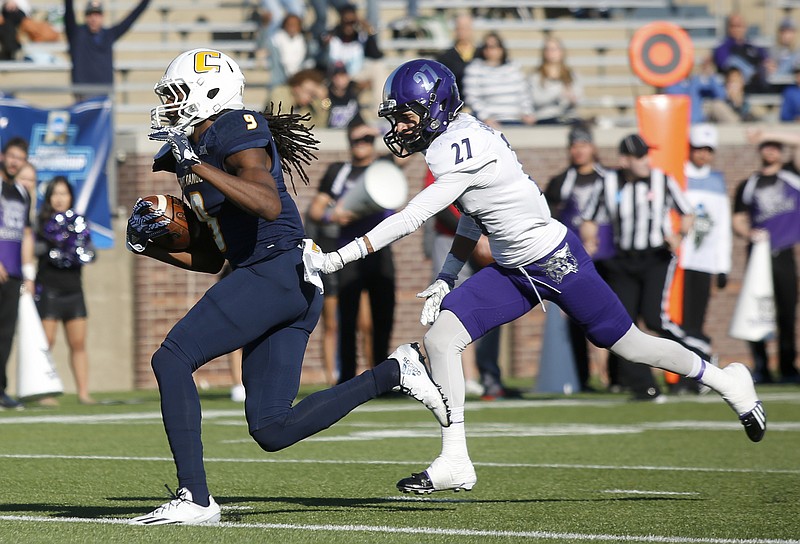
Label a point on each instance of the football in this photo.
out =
(181, 222)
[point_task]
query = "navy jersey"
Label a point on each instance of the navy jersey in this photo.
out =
(242, 238)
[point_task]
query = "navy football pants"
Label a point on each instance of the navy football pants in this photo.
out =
(270, 310)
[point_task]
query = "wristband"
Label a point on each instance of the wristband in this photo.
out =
(29, 272)
(355, 250)
(452, 266)
(449, 279)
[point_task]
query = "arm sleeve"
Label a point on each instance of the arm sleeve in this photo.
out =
(422, 207)
(468, 228)
(125, 24)
(69, 19)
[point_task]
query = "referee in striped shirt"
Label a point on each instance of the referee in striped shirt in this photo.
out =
(638, 199)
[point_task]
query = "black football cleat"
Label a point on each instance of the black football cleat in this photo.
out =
(418, 483)
(462, 478)
(755, 422)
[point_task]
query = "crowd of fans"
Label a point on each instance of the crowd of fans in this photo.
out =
(550, 92)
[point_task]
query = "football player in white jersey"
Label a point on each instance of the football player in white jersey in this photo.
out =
(536, 258)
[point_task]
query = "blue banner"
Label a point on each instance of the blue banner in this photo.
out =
(73, 142)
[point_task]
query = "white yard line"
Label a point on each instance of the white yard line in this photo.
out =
(646, 492)
(725, 470)
(532, 535)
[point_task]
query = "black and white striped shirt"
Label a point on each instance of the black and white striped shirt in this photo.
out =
(639, 209)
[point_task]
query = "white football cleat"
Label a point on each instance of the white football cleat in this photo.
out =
(441, 476)
(181, 510)
(743, 399)
(416, 382)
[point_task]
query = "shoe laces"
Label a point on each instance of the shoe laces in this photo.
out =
(176, 500)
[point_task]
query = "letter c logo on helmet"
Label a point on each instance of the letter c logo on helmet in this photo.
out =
(201, 65)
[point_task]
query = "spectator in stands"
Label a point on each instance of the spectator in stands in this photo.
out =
(11, 18)
(637, 198)
(343, 97)
(706, 92)
(495, 88)
(27, 178)
(785, 54)
(555, 87)
(63, 247)
(737, 52)
(16, 253)
(271, 16)
(305, 92)
(91, 45)
(766, 206)
(736, 98)
(320, 7)
(463, 51)
(568, 194)
(790, 99)
(288, 50)
(353, 42)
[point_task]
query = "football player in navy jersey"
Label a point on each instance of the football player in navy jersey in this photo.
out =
(230, 162)
(536, 258)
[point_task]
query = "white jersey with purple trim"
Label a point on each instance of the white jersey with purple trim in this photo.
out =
(476, 168)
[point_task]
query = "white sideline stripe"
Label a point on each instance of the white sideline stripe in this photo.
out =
(643, 492)
(536, 535)
(403, 463)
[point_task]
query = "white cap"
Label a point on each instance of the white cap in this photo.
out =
(703, 135)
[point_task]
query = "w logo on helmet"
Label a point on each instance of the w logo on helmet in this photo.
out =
(201, 61)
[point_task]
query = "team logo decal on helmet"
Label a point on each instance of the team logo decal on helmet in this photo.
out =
(201, 59)
(196, 85)
(428, 89)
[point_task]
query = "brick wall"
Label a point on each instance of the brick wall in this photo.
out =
(163, 294)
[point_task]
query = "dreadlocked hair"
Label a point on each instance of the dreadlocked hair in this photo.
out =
(293, 139)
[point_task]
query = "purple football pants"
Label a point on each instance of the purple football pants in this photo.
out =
(566, 276)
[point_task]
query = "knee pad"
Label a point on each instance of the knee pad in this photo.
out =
(271, 437)
(166, 359)
(446, 334)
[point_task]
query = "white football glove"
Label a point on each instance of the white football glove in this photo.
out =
(335, 260)
(433, 296)
(331, 263)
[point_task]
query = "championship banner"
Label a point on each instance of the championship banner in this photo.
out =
(73, 142)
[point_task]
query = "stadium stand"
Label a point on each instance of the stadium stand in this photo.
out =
(597, 48)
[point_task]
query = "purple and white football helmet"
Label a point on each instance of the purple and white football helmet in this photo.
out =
(427, 88)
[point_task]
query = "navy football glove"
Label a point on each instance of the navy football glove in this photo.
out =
(144, 224)
(179, 142)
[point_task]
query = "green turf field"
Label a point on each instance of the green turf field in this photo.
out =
(586, 468)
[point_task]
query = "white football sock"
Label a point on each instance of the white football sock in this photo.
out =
(454, 438)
